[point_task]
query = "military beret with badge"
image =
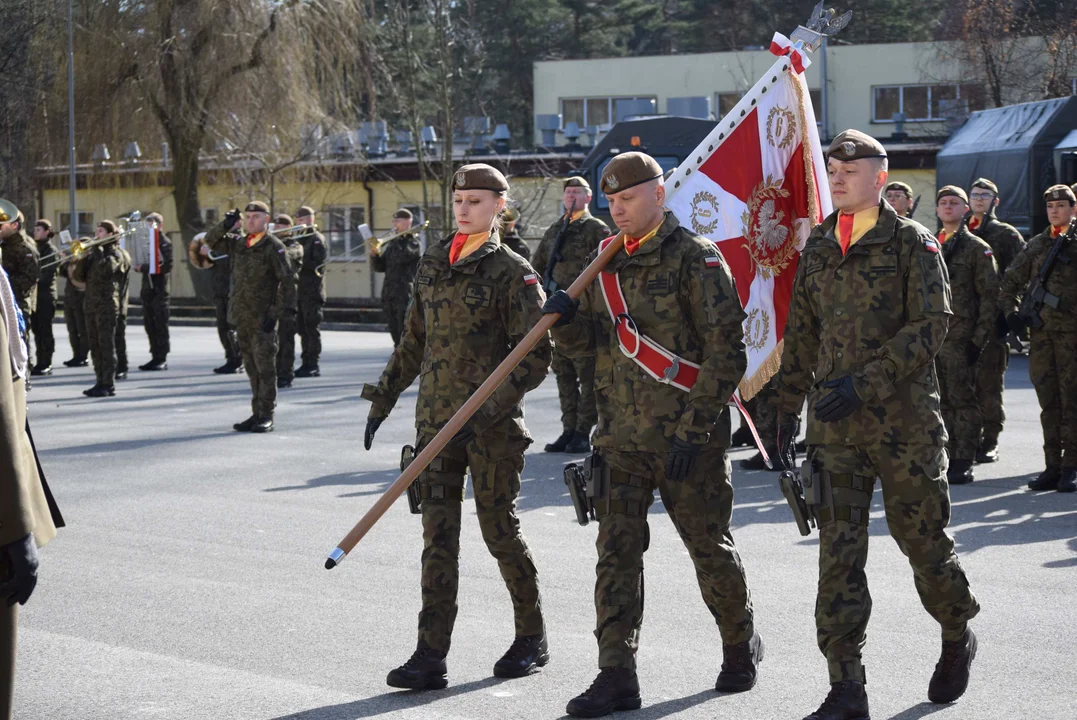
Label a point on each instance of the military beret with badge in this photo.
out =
(855, 145)
(628, 170)
(1060, 192)
(951, 191)
(479, 176)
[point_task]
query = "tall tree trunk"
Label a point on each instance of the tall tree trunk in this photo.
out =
(185, 166)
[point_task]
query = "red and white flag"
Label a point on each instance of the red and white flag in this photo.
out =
(756, 186)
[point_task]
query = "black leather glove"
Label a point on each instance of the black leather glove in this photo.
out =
(463, 437)
(22, 560)
(788, 427)
(1015, 323)
(681, 459)
(231, 218)
(561, 303)
(372, 425)
(972, 353)
(268, 323)
(841, 402)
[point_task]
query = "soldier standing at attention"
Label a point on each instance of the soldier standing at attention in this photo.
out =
(471, 303)
(75, 316)
(221, 287)
(262, 291)
(899, 195)
(1053, 346)
(511, 237)
(311, 295)
(1006, 242)
(21, 262)
(869, 312)
(398, 259)
(561, 256)
(104, 270)
(671, 288)
(121, 321)
(288, 323)
(41, 322)
(974, 287)
(155, 296)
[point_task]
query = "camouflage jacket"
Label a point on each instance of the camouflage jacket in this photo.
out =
(46, 279)
(974, 285)
(221, 277)
(514, 242)
(464, 320)
(680, 292)
(581, 241)
(398, 259)
(1062, 282)
(21, 261)
(1005, 240)
(312, 274)
(105, 270)
(294, 251)
(879, 314)
(262, 278)
(125, 284)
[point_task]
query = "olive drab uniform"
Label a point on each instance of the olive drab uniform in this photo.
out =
(573, 362)
(45, 310)
(1006, 242)
(262, 288)
(288, 324)
(312, 297)
(1053, 347)
(879, 314)
(121, 321)
(21, 261)
(105, 270)
(75, 316)
(155, 301)
(398, 259)
(221, 287)
(513, 241)
(974, 288)
(463, 320)
(679, 292)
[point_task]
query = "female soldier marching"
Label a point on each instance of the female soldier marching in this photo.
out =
(472, 302)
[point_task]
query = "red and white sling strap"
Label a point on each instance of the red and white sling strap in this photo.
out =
(656, 361)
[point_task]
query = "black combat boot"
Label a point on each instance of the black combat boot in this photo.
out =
(121, 373)
(76, 362)
(1047, 480)
(848, 700)
(960, 472)
(41, 369)
(308, 371)
(246, 425)
(262, 425)
(580, 444)
(742, 437)
(988, 452)
(229, 368)
(755, 462)
(425, 670)
(951, 675)
(615, 688)
(155, 364)
(525, 656)
(562, 442)
(283, 382)
(101, 391)
(740, 665)
(87, 391)
(1068, 482)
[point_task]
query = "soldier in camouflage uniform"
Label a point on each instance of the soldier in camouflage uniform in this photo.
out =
(868, 313)
(121, 321)
(155, 298)
(104, 270)
(573, 363)
(41, 322)
(263, 291)
(899, 195)
(471, 303)
(653, 434)
(21, 262)
(311, 295)
(75, 317)
(398, 259)
(1006, 242)
(1052, 347)
(510, 236)
(289, 325)
(221, 288)
(974, 286)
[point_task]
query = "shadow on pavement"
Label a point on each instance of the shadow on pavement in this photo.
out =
(921, 710)
(130, 445)
(389, 702)
(379, 477)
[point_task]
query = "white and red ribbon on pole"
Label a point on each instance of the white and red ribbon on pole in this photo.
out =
(782, 46)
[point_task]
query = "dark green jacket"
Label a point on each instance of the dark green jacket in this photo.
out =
(974, 287)
(1005, 240)
(312, 274)
(262, 279)
(46, 279)
(21, 262)
(513, 241)
(1062, 282)
(398, 259)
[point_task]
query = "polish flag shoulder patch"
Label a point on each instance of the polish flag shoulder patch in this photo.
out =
(531, 279)
(712, 261)
(931, 245)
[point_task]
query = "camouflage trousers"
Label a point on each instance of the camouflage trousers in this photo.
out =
(75, 319)
(960, 407)
(395, 308)
(1053, 370)
(764, 414)
(990, 384)
(495, 476)
(700, 507)
(286, 330)
(101, 330)
(310, 328)
(225, 332)
(576, 391)
(155, 312)
(917, 500)
(260, 360)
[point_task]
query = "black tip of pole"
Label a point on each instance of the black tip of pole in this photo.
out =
(329, 564)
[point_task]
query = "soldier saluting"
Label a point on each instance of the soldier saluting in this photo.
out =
(666, 324)
(868, 313)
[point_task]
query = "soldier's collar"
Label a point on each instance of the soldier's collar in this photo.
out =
(884, 228)
(649, 252)
(470, 264)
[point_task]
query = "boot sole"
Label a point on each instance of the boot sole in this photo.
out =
(540, 662)
(632, 703)
(972, 656)
(434, 683)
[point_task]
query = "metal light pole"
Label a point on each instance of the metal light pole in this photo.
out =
(73, 225)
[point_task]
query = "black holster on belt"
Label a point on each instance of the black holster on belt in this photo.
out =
(803, 494)
(407, 455)
(586, 483)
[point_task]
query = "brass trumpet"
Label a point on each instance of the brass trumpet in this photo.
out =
(374, 245)
(294, 231)
(79, 248)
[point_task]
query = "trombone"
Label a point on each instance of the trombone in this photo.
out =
(294, 231)
(374, 245)
(79, 248)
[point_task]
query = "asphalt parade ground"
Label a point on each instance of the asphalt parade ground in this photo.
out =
(189, 582)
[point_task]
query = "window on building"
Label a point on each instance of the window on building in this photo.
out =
(342, 232)
(86, 224)
(921, 103)
(599, 111)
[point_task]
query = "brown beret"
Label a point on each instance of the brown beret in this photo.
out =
(985, 184)
(900, 187)
(256, 206)
(511, 214)
(577, 181)
(855, 145)
(284, 220)
(304, 211)
(402, 214)
(108, 225)
(951, 191)
(627, 170)
(479, 176)
(1060, 192)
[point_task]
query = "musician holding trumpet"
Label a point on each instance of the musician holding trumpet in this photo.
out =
(398, 257)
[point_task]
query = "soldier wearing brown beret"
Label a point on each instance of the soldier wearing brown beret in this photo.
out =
(289, 321)
(511, 236)
(311, 294)
(45, 308)
(899, 195)
(398, 258)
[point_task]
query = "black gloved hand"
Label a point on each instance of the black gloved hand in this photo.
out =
(268, 322)
(561, 303)
(1015, 323)
(22, 560)
(841, 402)
(231, 218)
(463, 437)
(788, 427)
(681, 459)
(972, 353)
(372, 425)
